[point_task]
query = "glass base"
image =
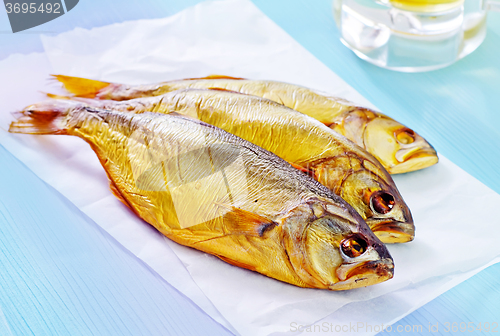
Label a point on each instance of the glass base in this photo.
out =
(394, 67)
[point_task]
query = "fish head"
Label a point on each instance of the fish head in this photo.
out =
(398, 148)
(378, 201)
(331, 247)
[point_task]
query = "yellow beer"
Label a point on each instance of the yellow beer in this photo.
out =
(426, 6)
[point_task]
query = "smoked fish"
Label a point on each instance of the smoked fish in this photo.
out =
(397, 147)
(208, 189)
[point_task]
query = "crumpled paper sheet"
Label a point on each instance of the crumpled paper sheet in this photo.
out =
(456, 236)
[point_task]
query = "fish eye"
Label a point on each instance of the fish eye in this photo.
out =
(405, 136)
(382, 202)
(353, 246)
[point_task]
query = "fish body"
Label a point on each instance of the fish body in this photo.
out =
(208, 189)
(397, 147)
(345, 168)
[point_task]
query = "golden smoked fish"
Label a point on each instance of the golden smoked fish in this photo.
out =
(397, 147)
(334, 161)
(208, 189)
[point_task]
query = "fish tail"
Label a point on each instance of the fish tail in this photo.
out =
(81, 87)
(48, 117)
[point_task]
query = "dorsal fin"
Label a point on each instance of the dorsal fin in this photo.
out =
(217, 77)
(221, 77)
(226, 90)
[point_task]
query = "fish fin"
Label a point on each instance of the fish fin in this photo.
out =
(186, 237)
(56, 96)
(174, 114)
(306, 171)
(237, 263)
(39, 122)
(296, 166)
(218, 77)
(118, 194)
(239, 221)
(46, 117)
(81, 87)
(184, 116)
(177, 114)
(226, 90)
(157, 106)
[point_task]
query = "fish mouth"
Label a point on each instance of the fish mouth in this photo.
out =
(412, 159)
(363, 274)
(392, 231)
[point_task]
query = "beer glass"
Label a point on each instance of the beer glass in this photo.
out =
(412, 35)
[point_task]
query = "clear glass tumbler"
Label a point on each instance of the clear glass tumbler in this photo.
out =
(412, 35)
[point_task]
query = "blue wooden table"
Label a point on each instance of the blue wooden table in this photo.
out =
(62, 275)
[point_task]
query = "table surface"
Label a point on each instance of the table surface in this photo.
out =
(63, 275)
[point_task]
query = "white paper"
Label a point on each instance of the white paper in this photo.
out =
(451, 209)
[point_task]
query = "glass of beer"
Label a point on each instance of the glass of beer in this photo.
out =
(412, 35)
